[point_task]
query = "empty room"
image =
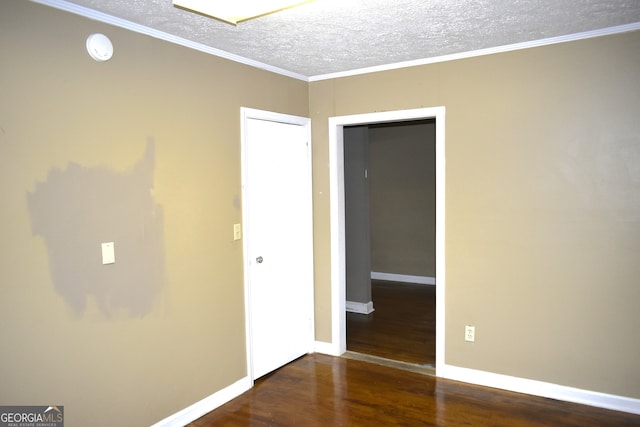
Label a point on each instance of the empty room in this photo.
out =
(142, 145)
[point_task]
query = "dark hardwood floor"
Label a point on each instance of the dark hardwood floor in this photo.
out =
(320, 390)
(402, 327)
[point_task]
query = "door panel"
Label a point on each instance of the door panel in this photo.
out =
(278, 246)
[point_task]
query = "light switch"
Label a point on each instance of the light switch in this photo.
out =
(108, 253)
(237, 232)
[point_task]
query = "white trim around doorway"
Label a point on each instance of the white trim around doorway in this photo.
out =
(338, 343)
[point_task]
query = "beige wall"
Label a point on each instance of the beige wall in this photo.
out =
(402, 186)
(142, 150)
(542, 205)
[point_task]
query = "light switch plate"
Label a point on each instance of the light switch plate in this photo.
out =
(237, 232)
(108, 253)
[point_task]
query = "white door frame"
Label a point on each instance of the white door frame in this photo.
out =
(336, 176)
(245, 115)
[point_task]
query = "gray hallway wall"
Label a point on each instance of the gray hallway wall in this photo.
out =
(357, 213)
(402, 188)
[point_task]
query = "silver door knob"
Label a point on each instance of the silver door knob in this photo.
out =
(259, 260)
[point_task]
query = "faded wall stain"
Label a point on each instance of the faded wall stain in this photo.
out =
(79, 208)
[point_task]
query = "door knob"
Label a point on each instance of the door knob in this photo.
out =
(259, 260)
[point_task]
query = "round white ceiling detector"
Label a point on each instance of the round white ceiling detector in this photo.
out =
(99, 47)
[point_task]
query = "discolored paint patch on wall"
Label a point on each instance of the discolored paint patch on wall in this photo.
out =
(77, 209)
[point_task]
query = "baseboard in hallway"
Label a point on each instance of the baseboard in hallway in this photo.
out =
(359, 307)
(403, 278)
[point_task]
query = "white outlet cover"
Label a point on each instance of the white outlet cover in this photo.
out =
(469, 333)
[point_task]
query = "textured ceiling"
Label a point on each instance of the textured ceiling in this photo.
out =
(336, 36)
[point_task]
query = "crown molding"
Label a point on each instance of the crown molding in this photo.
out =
(143, 29)
(482, 52)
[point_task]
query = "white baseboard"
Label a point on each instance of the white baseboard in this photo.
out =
(327, 348)
(539, 388)
(404, 278)
(206, 405)
(359, 307)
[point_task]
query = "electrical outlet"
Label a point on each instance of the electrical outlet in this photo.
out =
(237, 232)
(469, 333)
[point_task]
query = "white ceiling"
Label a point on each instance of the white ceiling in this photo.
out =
(339, 37)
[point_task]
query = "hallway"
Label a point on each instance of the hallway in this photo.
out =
(402, 327)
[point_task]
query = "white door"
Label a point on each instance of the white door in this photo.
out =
(278, 238)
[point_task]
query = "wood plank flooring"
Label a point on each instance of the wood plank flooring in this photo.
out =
(402, 327)
(320, 390)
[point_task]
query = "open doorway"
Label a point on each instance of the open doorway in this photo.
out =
(338, 257)
(389, 181)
